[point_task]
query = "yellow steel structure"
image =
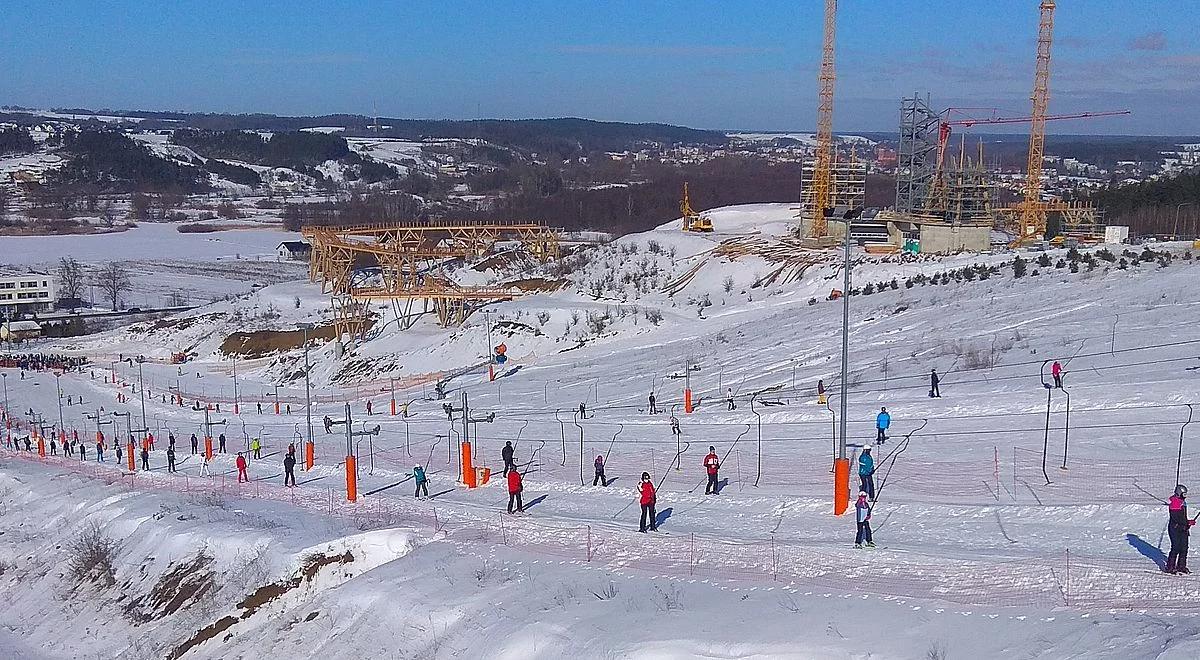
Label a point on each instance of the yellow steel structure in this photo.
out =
(1032, 213)
(822, 183)
(409, 257)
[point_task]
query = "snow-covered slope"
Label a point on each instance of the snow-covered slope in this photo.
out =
(1013, 520)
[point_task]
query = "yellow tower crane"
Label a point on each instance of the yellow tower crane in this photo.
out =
(822, 180)
(1032, 214)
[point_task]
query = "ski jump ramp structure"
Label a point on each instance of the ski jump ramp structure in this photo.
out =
(410, 258)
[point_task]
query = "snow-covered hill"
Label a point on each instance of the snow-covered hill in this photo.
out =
(1012, 520)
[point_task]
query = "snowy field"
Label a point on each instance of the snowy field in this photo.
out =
(1002, 531)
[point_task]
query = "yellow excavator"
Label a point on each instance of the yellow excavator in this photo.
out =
(692, 221)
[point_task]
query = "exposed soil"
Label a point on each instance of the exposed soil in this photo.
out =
(536, 284)
(309, 569)
(183, 585)
(262, 343)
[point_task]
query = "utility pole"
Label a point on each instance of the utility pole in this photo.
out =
(5, 380)
(236, 411)
(142, 391)
(487, 315)
(351, 460)
(58, 385)
(308, 386)
(841, 466)
(208, 424)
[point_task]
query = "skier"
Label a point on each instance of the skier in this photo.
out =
(256, 447)
(99, 451)
(171, 440)
(653, 409)
(582, 411)
(170, 459)
(507, 455)
(934, 392)
(514, 490)
(866, 472)
(422, 481)
(289, 408)
(647, 499)
(599, 465)
(675, 426)
(1178, 527)
(821, 392)
(729, 399)
(222, 441)
(1056, 371)
(882, 421)
(241, 468)
(862, 510)
(259, 404)
(368, 407)
(53, 447)
(328, 424)
(195, 444)
(117, 449)
(204, 465)
(289, 469)
(150, 439)
(711, 465)
(145, 458)
(82, 449)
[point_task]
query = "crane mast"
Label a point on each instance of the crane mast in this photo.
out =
(1033, 212)
(822, 182)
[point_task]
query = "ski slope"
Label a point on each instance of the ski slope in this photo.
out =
(984, 549)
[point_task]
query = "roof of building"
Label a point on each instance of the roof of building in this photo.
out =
(295, 246)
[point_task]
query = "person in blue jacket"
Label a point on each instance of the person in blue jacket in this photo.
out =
(418, 474)
(866, 472)
(882, 421)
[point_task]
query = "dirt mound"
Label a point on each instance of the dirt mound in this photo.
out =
(536, 284)
(261, 343)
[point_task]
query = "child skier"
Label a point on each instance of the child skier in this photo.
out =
(514, 490)
(862, 510)
(1178, 528)
(1056, 371)
(599, 465)
(711, 465)
(647, 497)
(289, 469)
(507, 454)
(882, 421)
(418, 474)
(241, 468)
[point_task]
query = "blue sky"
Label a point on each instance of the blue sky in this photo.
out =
(729, 64)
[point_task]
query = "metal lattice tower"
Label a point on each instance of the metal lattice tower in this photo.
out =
(822, 184)
(1033, 212)
(917, 154)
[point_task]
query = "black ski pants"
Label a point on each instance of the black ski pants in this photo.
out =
(711, 487)
(515, 497)
(1179, 547)
(648, 512)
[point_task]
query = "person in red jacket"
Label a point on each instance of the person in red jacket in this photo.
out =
(514, 491)
(648, 498)
(711, 464)
(1056, 371)
(241, 467)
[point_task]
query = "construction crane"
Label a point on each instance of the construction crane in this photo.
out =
(692, 221)
(822, 181)
(946, 126)
(1031, 218)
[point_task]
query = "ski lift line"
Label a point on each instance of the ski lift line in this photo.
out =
(890, 460)
(780, 389)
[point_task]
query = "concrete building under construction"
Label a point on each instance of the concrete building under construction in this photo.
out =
(847, 189)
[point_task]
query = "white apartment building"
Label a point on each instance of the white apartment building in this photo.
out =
(26, 293)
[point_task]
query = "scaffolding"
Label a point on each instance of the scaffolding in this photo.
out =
(404, 263)
(848, 187)
(917, 165)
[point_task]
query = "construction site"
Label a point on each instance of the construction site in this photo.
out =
(946, 198)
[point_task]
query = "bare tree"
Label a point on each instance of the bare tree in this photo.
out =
(70, 280)
(113, 280)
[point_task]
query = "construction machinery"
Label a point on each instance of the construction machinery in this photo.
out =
(693, 221)
(821, 192)
(404, 263)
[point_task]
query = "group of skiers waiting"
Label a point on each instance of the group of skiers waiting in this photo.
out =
(41, 362)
